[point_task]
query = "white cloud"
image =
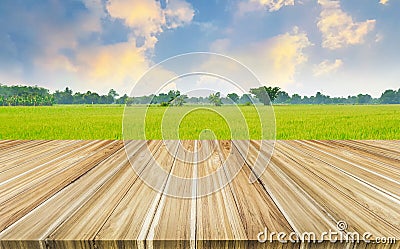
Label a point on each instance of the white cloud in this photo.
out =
(384, 2)
(104, 66)
(178, 13)
(257, 5)
(338, 28)
(147, 19)
(379, 37)
(326, 67)
(286, 53)
(274, 5)
(115, 64)
(274, 60)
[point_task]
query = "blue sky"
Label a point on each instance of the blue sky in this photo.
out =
(339, 47)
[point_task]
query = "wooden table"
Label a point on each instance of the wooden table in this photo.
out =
(85, 194)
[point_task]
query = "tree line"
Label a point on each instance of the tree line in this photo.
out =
(263, 95)
(39, 96)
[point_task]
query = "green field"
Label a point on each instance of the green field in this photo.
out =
(292, 122)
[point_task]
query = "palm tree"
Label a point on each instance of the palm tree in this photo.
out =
(215, 98)
(179, 100)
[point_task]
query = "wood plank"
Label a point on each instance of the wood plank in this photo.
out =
(12, 186)
(173, 223)
(261, 212)
(38, 157)
(7, 144)
(338, 205)
(371, 148)
(131, 219)
(16, 150)
(380, 182)
(87, 221)
(384, 208)
(388, 144)
(25, 153)
(19, 199)
(219, 206)
(368, 162)
(296, 205)
(67, 202)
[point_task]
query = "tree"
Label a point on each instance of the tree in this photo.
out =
(351, 100)
(319, 98)
(25, 96)
(160, 98)
(246, 99)
(364, 99)
(122, 100)
(172, 94)
(193, 100)
(64, 97)
(390, 97)
(398, 96)
(265, 94)
(296, 99)
(234, 97)
(130, 101)
(91, 98)
(112, 94)
(165, 99)
(282, 98)
(215, 98)
(179, 100)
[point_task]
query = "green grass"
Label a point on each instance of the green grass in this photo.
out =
(292, 122)
(61, 122)
(193, 122)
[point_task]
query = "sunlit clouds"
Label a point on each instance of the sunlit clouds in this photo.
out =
(147, 19)
(384, 2)
(338, 28)
(275, 59)
(327, 67)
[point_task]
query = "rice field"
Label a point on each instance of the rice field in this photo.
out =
(323, 122)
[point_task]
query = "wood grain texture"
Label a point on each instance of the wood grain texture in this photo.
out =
(86, 194)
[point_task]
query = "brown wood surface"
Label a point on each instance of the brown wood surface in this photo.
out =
(86, 194)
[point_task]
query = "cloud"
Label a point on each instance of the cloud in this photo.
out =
(326, 67)
(39, 52)
(384, 2)
(116, 64)
(274, 60)
(379, 37)
(257, 5)
(274, 5)
(67, 47)
(178, 13)
(338, 28)
(147, 18)
(285, 53)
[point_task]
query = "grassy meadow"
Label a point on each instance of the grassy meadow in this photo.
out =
(292, 122)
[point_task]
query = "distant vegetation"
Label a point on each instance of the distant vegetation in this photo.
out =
(38, 96)
(25, 95)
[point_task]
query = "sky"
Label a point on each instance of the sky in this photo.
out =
(337, 47)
